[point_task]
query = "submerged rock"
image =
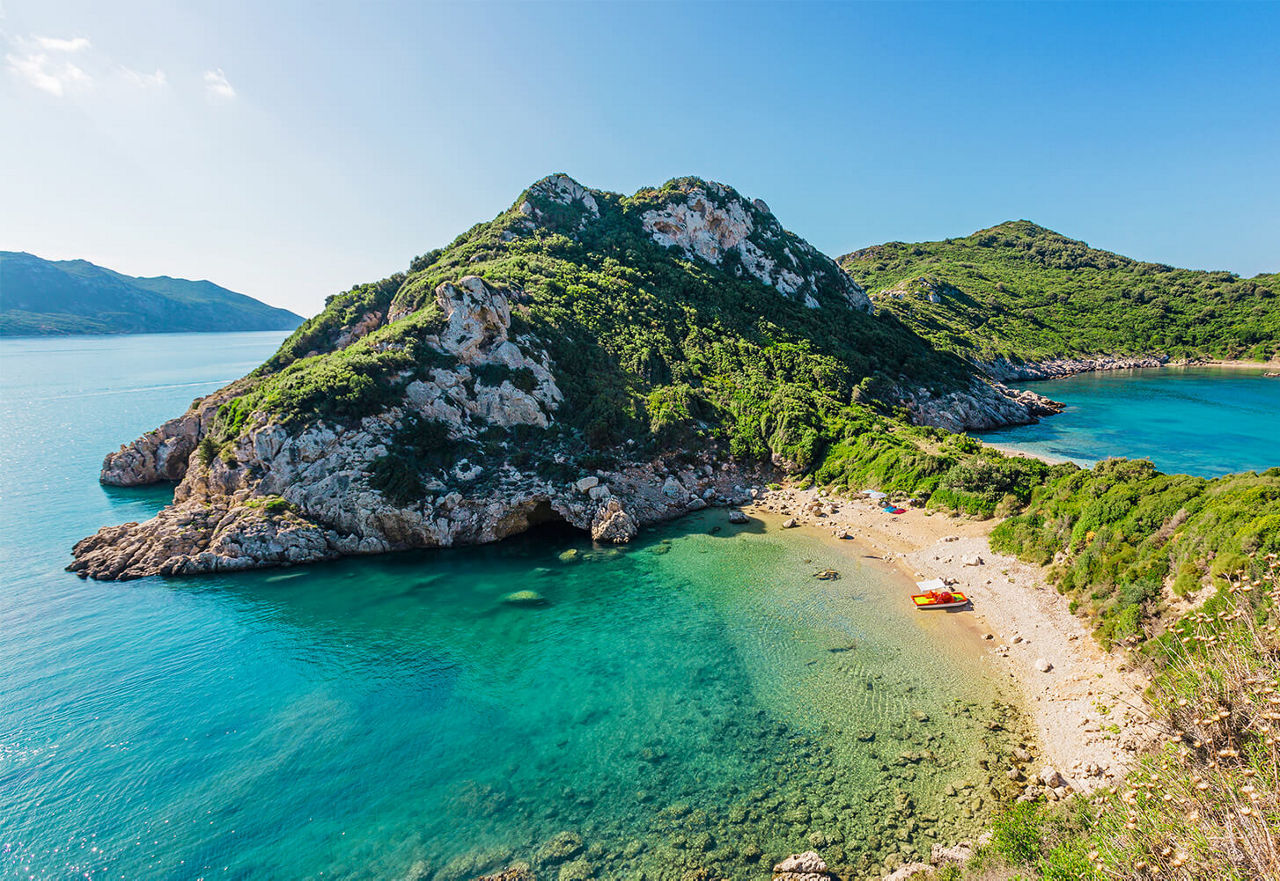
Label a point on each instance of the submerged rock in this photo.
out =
(525, 598)
(514, 872)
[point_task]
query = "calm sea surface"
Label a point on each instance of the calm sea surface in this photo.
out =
(1187, 420)
(698, 698)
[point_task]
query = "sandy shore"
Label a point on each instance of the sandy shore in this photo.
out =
(1088, 707)
(1018, 452)
(1233, 365)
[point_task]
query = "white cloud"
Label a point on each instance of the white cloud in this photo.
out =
(59, 44)
(47, 73)
(45, 63)
(216, 84)
(155, 80)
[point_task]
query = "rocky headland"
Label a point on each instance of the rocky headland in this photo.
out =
(413, 414)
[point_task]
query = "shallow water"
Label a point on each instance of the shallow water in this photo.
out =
(697, 699)
(1206, 421)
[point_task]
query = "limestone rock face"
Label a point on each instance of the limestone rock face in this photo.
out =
(157, 456)
(561, 190)
(278, 496)
(710, 222)
(980, 405)
(613, 524)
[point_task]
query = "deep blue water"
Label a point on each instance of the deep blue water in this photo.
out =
(693, 699)
(1206, 421)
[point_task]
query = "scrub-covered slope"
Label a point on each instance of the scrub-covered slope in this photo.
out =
(1019, 292)
(40, 296)
(599, 359)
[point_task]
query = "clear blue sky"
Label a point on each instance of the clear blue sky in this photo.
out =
(291, 149)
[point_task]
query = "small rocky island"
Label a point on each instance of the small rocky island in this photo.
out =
(586, 358)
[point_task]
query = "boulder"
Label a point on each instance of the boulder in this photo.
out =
(586, 483)
(789, 523)
(958, 853)
(1051, 778)
(807, 866)
(613, 524)
(738, 517)
(1043, 666)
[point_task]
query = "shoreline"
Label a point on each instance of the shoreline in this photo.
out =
(1097, 365)
(1087, 709)
(1013, 451)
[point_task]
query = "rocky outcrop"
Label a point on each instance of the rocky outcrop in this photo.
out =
(930, 288)
(162, 454)
(275, 496)
(1056, 368)
(558, 201)
(157, 456)
(807, 866)
(980, 406)
(613, 524)
(710, 222)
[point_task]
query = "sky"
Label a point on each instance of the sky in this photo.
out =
(289, 150)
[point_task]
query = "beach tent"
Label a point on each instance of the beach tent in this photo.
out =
(875, 494)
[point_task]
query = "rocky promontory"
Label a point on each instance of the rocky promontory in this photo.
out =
(276, 497)
(585, 358)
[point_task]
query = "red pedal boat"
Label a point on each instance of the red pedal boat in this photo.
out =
(938, 597)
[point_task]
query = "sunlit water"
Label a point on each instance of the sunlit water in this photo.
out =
(1206, 421)
(697, 699)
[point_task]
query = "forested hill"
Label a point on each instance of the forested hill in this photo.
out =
(1019, 291)
(40, 296)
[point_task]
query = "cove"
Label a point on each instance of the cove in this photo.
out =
(695, 701)
(1206, 421)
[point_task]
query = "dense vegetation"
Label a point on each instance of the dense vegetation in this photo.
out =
(74, 296)
(1123, 538)
(649, 347)
(1205, 806)
(1021, 292)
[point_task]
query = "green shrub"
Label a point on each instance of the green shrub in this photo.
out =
(207, 450)
(1017, 833)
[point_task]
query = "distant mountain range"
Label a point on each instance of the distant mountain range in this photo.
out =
(42, 297)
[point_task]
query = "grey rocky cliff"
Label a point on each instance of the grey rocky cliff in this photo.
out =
(709, 221)
(1056, 368)
(982, 405)
(280, 497)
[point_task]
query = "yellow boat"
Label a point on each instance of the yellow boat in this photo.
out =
(940, 599)
(936, 596)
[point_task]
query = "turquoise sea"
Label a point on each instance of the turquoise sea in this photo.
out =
(1206, 421)
(697, 699)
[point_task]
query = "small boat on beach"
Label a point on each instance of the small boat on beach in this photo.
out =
(937, 596)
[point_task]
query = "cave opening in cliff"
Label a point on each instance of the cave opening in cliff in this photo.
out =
(546, 521)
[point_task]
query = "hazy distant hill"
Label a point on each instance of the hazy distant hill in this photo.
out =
(40, 296)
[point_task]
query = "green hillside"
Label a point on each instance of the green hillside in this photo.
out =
(40, 297)
(1021, 292)
(650, 345)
